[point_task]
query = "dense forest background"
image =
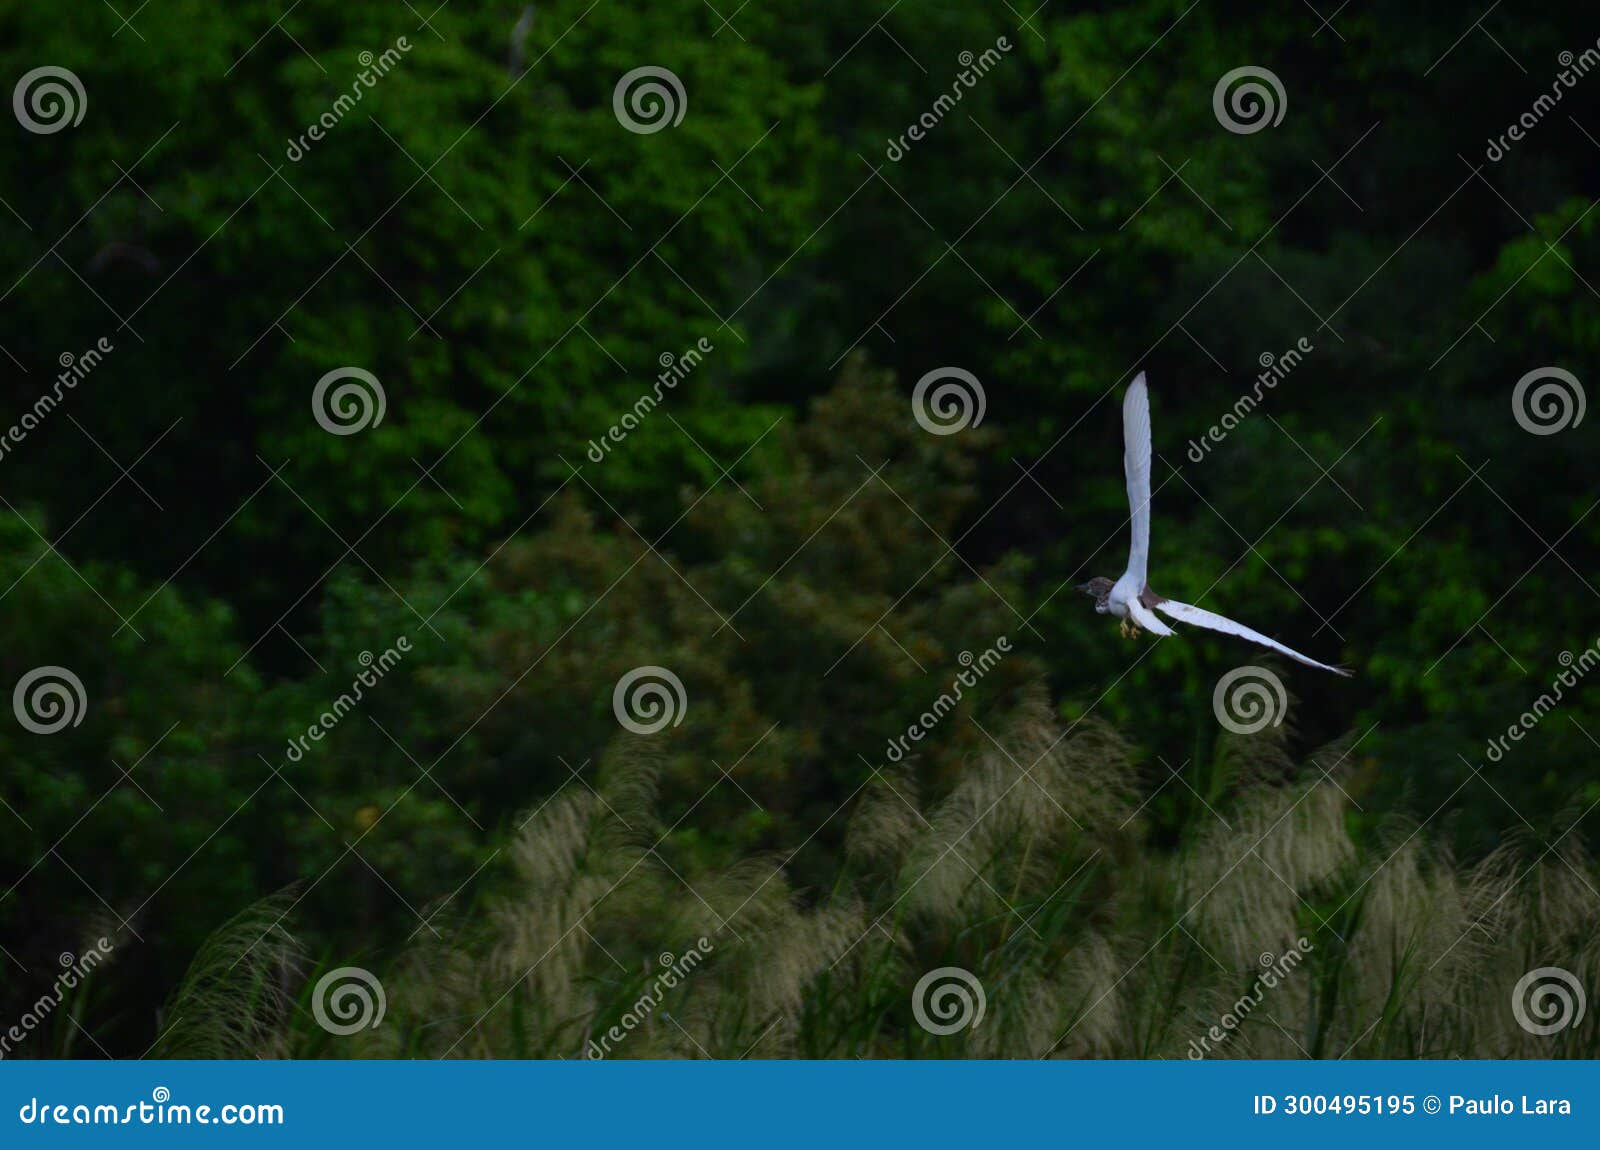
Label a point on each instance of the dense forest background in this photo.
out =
(513, 266)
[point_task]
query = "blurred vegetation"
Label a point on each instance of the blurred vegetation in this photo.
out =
(1084, 944)
(482, 235)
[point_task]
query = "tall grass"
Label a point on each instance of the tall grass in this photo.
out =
(1037, 874)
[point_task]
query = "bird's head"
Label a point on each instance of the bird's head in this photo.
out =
(1098, 589)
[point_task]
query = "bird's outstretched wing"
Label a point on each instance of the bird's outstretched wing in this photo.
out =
(1136, 463)
(1188, 613)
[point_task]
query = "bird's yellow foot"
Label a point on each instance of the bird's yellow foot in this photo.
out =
(1129, 629)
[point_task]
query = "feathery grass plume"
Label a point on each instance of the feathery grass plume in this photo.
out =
(887, 819)
(1092, 1002)
(1245, 880)
(234, 1001)
(565, 862)
(1033, 875)
(1033, 798)
(771, 979)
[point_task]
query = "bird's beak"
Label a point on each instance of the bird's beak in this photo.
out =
(1083, 588)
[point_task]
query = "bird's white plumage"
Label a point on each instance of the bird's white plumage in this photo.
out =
(1124, 599)
(1200, 617)
(1136, 465)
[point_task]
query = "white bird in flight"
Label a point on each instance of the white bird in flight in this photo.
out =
(1130, 598)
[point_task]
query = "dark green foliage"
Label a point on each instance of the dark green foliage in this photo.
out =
(481, 234)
